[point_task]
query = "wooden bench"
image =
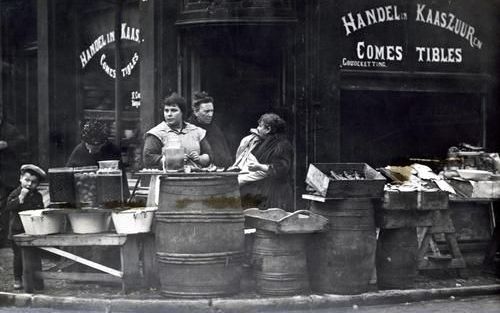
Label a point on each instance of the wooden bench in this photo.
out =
(129, 275)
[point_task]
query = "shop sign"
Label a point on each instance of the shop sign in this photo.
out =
(378, 37)
(102, 40)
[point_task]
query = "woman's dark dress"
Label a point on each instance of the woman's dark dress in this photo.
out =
(274, 191)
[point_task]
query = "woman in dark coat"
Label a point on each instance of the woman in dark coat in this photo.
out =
(272, 158)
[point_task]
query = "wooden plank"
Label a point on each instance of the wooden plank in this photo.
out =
(103, 239)
(437, 265)
(149, 263)
(130, 264)
(390, 219)
(84, 261)
(79, 276)
(31, 264)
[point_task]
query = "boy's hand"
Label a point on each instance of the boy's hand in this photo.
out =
(22, 195)
(3, 144)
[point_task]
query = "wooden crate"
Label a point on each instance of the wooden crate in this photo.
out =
(372, 186)
(415, 200)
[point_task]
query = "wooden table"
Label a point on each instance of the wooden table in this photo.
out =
(129, 275)
(429, 211)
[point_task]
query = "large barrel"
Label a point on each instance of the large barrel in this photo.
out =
(279, 262)
(396, 258)
(199, 236)
(342, 259)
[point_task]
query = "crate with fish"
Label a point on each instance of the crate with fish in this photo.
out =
(345, 180)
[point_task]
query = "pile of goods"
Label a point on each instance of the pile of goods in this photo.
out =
(90, 197)
(354, 175)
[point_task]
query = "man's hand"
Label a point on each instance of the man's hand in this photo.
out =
(3, 144)
(22, 195)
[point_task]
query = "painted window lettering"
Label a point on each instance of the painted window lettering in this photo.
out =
(448, 21)
(379, 53)
(369, 17)
(436, 54)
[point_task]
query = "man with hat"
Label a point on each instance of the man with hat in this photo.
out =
(24, 197)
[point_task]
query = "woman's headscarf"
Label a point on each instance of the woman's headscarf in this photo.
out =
(94, 132)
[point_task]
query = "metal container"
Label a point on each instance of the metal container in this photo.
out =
(199, 236)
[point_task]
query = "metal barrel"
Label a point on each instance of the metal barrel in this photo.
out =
(279, 262)
(199, 236)
(397, 258)
(342, 259)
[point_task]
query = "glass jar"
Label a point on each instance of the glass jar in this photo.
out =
(174, 154)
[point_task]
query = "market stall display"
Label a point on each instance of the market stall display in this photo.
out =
(343, 257)
(415, 210)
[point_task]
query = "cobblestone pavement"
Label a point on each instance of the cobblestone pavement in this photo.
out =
(439, 279)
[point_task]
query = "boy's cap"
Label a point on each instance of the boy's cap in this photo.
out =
(35, 169)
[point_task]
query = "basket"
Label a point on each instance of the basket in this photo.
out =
(133, 221)
(41, 222)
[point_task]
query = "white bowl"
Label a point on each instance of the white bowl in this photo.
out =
(37, 222)
(474, 174)
(133, 221)
(89, 222)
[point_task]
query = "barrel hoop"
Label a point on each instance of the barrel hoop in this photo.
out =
(201, 258)
(271, 252)
(281, 276)
(354, 213)
(216, 202)
(200, 213)
(197, 178)
(200, 218)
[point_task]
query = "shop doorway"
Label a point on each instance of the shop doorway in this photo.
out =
(245, 69)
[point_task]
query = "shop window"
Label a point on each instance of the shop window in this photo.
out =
(385, 127)
(97, 70)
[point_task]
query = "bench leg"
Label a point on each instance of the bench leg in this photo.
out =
(32, 263)
(150, 267)
(130, 264)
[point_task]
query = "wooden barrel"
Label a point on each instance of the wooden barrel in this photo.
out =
(396, 258)
(199, 236)
(342, 259)
(279, 262)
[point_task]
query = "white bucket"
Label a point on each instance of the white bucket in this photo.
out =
(89, 222)
(133, 221)
(38, 222)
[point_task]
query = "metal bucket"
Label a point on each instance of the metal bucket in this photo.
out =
(199, 236)
(342, 259)
(397, 258)
(279, 263)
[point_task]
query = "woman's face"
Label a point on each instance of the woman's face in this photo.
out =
(263, 129)
(172, 115)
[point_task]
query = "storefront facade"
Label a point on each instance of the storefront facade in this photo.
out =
(372, 81)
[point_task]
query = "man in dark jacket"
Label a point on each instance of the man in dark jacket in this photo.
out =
(203, 112)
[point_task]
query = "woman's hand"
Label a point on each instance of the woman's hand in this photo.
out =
(193, 155)
(256, 166)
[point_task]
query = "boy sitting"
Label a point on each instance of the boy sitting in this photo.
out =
(24, 197)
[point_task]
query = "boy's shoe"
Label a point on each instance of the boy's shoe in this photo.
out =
(18, 284)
